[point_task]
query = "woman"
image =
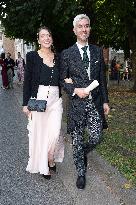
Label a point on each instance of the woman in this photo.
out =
(4, 72)
(41, 80)
(20, 63)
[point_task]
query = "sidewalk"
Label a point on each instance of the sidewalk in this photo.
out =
(104, 183)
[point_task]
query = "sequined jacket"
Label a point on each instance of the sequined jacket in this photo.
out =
(72, 67)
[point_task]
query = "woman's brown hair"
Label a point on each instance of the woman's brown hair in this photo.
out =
(46, 28)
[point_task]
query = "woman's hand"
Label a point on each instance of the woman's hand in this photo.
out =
(26, 111)
(68, 80)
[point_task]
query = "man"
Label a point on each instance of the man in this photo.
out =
(10, 69)
(83, 63)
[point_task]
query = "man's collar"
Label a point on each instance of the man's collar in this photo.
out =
(80, 46)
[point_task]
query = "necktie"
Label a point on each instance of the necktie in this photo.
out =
(85, 57)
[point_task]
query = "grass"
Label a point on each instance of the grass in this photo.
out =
(119, 141)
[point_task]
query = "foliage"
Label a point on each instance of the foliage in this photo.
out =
(23, 18)
(113, 22)
(117, 23)
(116, 27)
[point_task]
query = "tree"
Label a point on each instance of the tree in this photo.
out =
(21, 19)
(113, 22)
(24, 17)
(115, 26)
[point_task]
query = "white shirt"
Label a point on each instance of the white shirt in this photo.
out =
(88, 53)
(81, 53)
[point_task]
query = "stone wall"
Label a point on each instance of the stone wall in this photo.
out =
(8, 45)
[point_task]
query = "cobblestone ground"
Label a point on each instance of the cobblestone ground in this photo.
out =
(17, 187)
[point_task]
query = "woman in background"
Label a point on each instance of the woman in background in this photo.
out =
(4, 71)
(20, 64)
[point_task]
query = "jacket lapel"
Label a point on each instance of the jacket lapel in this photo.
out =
(77, 59)
(76, 54)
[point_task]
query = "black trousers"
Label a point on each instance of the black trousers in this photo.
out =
(90, 125)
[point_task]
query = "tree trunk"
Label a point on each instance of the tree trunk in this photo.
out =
(134, 68)
(132, 42)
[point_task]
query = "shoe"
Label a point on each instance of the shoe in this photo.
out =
(85, 160)
(47, 176)
(52, 168)
(81, 182)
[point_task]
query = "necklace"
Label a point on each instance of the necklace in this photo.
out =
(48, 58)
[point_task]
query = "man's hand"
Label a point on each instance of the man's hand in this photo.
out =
(81, 92)
(106, 108)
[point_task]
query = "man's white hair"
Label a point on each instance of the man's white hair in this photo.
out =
(80, 17)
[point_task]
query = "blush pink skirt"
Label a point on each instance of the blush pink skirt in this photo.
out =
(45, 137)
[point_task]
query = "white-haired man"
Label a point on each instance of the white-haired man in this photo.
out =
(80, 65)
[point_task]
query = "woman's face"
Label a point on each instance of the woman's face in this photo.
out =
(45, 38)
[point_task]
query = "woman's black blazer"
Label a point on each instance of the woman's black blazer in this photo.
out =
(32, 75)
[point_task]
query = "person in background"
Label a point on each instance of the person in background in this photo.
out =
(117, 69)
(20, 64)
(41, 80)
(4, 71)
(80, 65)
(113, 64)
(10, 64)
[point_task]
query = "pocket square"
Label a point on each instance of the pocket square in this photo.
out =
(96, 62)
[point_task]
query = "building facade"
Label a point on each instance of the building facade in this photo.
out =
(6, 44)
(23, 48)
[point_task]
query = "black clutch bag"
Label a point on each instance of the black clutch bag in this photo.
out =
(36, 105)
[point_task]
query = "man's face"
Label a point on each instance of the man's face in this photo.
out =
(82, 30)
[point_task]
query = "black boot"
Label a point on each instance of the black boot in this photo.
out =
(47, 176)
(81, 182)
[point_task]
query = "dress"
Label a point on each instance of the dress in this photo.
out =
(45, 140)
(20, 69)
(4, 73)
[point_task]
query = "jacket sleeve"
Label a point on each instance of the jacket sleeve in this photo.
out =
(27, 86)
(65, 73)
(103, 81)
